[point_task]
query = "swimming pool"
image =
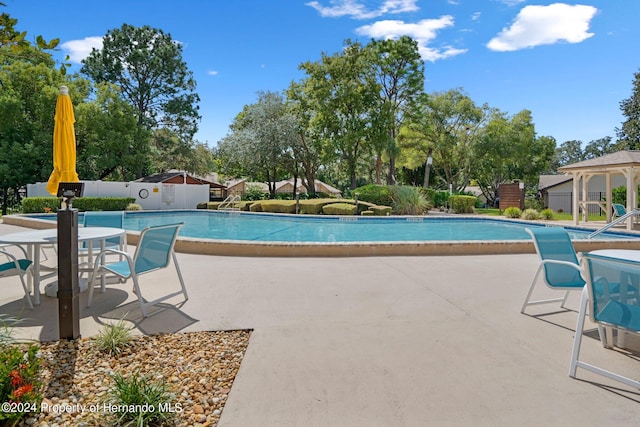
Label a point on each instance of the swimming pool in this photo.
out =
(321, 229)
(260, 234)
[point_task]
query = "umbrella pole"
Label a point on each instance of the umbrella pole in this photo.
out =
(68, 289)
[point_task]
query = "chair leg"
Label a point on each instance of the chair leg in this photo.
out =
(564, 300)
(184, 289)
(26, 291)
(136, 290)
(577, 341)
(533, 285)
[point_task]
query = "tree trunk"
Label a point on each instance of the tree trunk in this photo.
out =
(391, 177)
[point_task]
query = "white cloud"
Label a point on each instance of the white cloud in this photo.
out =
(212, 73)
(540, 25)
(511, 2)
(80, 49)
(423, 32)
(357, 10)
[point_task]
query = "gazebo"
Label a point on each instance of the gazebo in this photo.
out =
(625, 163)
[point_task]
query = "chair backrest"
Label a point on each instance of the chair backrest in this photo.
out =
(104, 219)
(613, 291)
(554, 243)
(618, 209)
(155, 247)
(113, 219)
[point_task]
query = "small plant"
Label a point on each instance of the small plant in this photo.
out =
(137, 400)
(114, 337)
(409, 201)
(134, 207)
(512, 212)
(546, 214)
(20, 379)
(530, 214)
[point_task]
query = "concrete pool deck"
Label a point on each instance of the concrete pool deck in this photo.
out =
(377, 341)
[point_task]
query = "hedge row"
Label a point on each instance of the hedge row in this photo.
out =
(52, 204)
(309, 207)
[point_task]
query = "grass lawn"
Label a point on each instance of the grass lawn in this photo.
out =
(564, 216)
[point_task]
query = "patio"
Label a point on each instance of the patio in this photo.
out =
(378, 341)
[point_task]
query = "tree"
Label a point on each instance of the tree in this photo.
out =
(629, 133)
(109, 144)
(30, 85)
(445, 125)
(261, 139)
(344, 102)
(147, 65)
(568, 152)
(309, 148)
(508, 150)
(399, 71)
(599, 147)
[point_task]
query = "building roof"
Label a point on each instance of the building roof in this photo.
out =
(549, 181)
(169, 175)
(618, 159)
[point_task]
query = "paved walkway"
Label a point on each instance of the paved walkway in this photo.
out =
(378, 341)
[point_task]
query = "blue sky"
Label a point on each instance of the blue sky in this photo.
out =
(569, 63)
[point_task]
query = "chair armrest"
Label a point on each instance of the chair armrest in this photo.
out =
(24, 252)
(567, 263)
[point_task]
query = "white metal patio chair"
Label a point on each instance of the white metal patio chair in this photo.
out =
(611, 299)
(559, 264)
(154, 251)
(16, 267)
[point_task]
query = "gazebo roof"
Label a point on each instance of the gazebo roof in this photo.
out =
(620, 159)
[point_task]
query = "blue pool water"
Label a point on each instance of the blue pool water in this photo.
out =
(287, 228)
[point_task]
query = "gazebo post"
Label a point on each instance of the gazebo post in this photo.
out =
(609, 196)
(576, 198)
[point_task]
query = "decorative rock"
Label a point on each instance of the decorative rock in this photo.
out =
(77, 373)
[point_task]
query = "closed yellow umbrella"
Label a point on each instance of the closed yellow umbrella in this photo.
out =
(64, 144)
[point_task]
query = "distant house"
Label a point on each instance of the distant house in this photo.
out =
(556, 191)
(218, 191)
(239, 186)
(286, 187)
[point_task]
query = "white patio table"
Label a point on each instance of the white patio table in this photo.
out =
(627, 255)
(34, 239)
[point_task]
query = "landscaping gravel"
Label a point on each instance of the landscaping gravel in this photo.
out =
(198, 367)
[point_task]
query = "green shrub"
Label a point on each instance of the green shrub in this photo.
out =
(278, 206)
(314, 206)
(376, 194)
(462, 204)
(532, 203)
(512, 212)
(367, 213)
(130, 396)
(40, 204)
(440, 198)
(134, 207)
(546, 214)
(254, 192)
(52, 204)
(339, 209)
(381, 210)
(256, 206)
(20, 373)
(429, 194)
(409, 201)
(102, 203)
(530, 214)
